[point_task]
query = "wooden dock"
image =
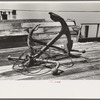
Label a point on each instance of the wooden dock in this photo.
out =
(82, 66)
(85, 66)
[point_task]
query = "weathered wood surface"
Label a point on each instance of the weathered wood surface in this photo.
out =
(87, 66)
(16, 34)
(18, 29)
(16, 24)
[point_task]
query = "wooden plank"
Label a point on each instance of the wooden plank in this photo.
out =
(16, 24)
(22, 21)
(48, 27)
(46, 24)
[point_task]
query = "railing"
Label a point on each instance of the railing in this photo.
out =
(89, 32)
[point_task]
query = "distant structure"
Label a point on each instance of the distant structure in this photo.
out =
(14, 14)
(8, 15)
(4, 15)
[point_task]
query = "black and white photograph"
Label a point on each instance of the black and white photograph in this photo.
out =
(50, 49)
(49, 41)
